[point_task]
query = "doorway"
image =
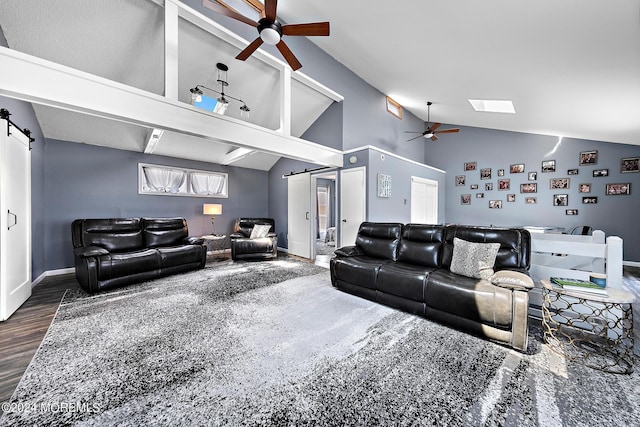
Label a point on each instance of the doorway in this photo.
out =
(424, 201)
(326, 215)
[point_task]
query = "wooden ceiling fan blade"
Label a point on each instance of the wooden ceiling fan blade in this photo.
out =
(270, 7)
(434, 138)
(310, 29)
(253, 46)
(448, 131)
(226, 11)
(419, 136)
(289, 56)
(434, 126)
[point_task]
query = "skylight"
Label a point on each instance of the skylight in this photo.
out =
(493, 106)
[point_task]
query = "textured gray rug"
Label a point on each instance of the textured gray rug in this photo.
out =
(272, 343)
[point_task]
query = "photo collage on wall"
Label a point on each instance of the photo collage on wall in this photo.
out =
(527, 182)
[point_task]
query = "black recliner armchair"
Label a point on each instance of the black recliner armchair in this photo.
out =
(243, 246)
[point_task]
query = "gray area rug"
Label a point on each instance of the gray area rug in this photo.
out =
(273, 344)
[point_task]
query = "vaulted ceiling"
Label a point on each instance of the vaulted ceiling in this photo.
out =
(571, 67)
(124, 41)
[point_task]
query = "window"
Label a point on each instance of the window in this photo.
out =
(173, 181)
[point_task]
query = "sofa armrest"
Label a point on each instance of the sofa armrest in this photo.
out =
(237, 236)
(511, 279)
(348, 251)
(89, 251)
(193, 240)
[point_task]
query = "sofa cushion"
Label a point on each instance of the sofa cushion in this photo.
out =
(379, 240)
(473, 259)
(421, 245)
(127, 263)
(259, 231)
(361, 271)
(164, 231)
(114, 234)
(403, 280)
(468, 298)
(179, 255)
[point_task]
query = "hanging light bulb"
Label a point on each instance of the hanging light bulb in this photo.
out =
(196, 94)
(244, 111)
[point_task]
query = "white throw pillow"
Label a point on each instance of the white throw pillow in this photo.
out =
(260, 230)
(473, 259)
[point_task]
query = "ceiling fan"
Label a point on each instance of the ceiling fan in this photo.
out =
(431, 129)
(270, 30)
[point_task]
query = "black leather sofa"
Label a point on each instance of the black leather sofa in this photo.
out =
(118, 251)
(408, 267)
(245, 247)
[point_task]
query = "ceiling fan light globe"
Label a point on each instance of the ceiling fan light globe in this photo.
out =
(270, 36)
(428, 135)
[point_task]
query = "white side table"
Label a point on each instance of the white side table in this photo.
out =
(215, 244)
(595, 330)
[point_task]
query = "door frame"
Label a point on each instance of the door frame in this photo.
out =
(426, 181)
(362, 169)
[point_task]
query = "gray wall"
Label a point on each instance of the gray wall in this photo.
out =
(85, 181)
(615, 215)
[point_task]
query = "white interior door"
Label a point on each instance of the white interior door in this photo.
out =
(353, 203)
(15, 220)
(299, 228)
(424, 201)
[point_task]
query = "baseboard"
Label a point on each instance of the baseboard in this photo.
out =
(285, 250)
(50, 273)
(631, 263)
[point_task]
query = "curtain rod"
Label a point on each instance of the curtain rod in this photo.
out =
(4, 114)
(305, 171)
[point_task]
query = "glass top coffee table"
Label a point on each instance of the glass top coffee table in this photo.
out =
(592, 329)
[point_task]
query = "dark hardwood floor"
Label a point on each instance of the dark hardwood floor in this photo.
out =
(22, 333)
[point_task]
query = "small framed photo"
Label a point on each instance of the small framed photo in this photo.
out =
(560, 200)
(470, 166)
(548, 166)
(589, 200)
(584, 188)
(460, 179)
(559, 183)
(571, 211)
(473, 186)
(504, 184)
(384, 185)
(511, 197)
(572, 172)
(495, 204)
(394, 108)
(629, 165)
(488, 186)
(485, 173)
(530, 200)
(588, 158)
(530, 187)
(600, 172)
(479, 195)
(517, 168)
(618, 189)
(500, 172)
(533, 176)
(465, 199)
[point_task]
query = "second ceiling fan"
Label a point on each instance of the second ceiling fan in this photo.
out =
(431, 129)
(270, 30)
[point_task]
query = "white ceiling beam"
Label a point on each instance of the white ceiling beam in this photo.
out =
(235, 155)
(285, 101)
(152, 141)
(171, 49)
(63, 87)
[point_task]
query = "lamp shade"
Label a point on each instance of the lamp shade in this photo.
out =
(212, 209)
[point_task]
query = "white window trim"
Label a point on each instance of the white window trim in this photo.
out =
(185, 189)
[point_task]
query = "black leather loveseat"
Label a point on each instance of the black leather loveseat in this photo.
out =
(246, 244)
(119, 251)
(409, 267)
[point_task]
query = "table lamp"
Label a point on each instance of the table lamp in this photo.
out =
(212, 209)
